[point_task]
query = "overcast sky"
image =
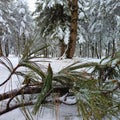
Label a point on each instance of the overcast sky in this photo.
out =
(31, 4)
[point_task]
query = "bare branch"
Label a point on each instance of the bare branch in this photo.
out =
(14, 70)
(31, 90)
(15, 107)
(27, 90)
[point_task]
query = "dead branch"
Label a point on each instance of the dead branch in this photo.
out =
(27, 90)
(10, 75)
(15, 107)
(15, 95)
(31, 90)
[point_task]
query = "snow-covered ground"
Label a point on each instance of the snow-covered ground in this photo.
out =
(62, 112)
(56, 112)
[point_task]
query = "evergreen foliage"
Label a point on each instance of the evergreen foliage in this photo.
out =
(97, 92)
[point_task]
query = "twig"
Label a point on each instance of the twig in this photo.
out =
(15, 107)
(8, 103)
(10, 75)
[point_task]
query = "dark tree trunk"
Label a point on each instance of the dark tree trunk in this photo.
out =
(73, 4)
(92, 50)
(80, 49)
(88, 50)
(1, 53)
(6, 49)
(45, 50)
(85, 50)
(1, 34)
(113, 48)
(96, 50)
(100, 47)
(108, 52)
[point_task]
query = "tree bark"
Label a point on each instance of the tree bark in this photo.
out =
(113, 47)
(1, 53)
(108, 49)
(6, 48)
(96, 50)
(100, 46)
(1, 35)
(73, 5)
(93, 50)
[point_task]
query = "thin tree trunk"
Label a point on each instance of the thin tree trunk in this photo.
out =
(1, 34)
(6, 48)
(88, 51)
(80, 49)
(45, 50)
(100, 45)
(85, 50)
(108, 53)
(92, 50)
(1, 53)
(73, 28)
(96, 50)
(113, 50)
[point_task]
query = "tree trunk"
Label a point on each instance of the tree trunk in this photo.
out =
(100, 47)
(109, 46)
(113, 47)
(88, 51)
(6, 49)
(96, 50)
(73, 28)
(1, 53)
(80, 49)
(93, 50)
(1, 34)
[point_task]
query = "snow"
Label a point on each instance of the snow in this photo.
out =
(60, 33)
(66, 37)
(64, 112)
(22, 11)
(1, 19)
(23, 24)
(60, 111)
(31, 4)
(81, 15)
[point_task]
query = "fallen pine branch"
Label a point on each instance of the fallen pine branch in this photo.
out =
(31, 90)
(15, 107)
(28, 90)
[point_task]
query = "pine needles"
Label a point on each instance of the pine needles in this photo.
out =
(97, 92)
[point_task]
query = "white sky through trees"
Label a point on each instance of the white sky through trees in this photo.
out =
(31, 4)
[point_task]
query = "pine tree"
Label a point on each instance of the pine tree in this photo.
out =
(73, 6)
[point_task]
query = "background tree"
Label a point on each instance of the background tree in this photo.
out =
(98, 24)
(73, 7)
(4, 13)
(21, 29)
(16, 25)
(53, 19)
